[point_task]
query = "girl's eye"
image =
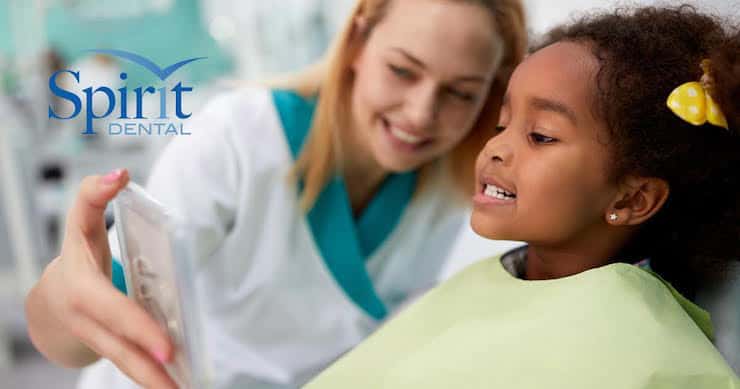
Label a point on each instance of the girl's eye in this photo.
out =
(541, 139)
(499, 129)
(401, 72)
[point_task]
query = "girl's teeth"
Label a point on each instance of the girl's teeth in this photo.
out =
(496, 192)
(405, 136)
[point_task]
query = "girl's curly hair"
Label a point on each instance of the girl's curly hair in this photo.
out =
(644, 54)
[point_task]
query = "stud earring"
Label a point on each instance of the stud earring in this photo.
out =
(613, 217)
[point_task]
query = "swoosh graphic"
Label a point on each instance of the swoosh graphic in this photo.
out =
(145, 62)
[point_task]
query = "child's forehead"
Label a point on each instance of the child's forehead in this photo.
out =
(563, 71)
(561, 61)
(562, 76)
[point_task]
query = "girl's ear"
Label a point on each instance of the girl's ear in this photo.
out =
(637, 200)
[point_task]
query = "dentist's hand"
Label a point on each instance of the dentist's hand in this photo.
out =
(76, 315)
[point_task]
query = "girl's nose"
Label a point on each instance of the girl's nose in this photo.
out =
(499, 149)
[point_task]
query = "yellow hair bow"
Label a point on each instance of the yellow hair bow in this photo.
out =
(692, 102)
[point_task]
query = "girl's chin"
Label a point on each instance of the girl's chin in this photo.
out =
(486, 229)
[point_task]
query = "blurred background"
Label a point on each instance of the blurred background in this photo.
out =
(42, 161)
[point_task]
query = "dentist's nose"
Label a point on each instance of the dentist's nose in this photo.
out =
(421, 106)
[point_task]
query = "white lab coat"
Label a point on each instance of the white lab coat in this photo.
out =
(274, 315)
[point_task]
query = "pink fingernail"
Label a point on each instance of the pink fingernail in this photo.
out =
(113, 176)
(160, 356)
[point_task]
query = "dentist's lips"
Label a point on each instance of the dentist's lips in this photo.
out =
(491, 191)
(404, 139)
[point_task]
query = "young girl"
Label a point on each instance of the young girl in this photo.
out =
(295, 272)
(618, 143)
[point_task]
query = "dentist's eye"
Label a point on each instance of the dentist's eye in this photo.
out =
(463, 96)
(401, 72)
(541, 139)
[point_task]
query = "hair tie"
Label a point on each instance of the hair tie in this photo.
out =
(693, 103)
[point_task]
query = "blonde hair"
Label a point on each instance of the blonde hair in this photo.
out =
(320, 156)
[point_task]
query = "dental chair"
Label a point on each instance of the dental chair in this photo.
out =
(723, 303)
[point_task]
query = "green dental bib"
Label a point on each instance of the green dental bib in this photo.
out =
(616, 326)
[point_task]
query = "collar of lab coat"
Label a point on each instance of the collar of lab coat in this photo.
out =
(346, 243)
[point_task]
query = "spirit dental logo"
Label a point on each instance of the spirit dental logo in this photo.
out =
(138, 124)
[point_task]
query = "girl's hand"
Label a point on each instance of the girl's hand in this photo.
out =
(75, 312)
